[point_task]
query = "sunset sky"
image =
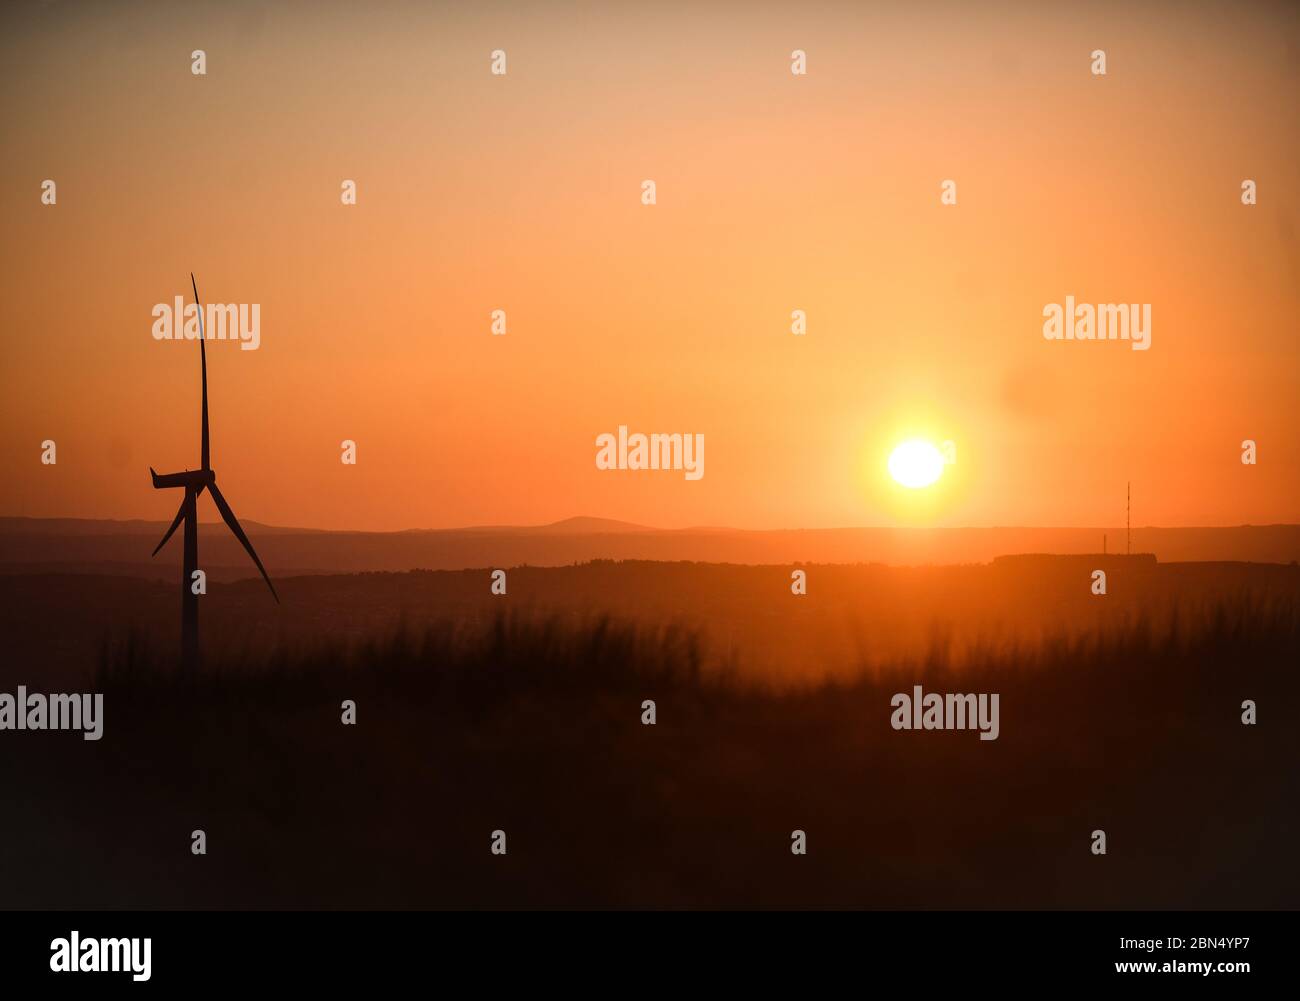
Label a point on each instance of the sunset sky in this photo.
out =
(775, 192)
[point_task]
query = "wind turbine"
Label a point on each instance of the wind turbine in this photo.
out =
(195, 482)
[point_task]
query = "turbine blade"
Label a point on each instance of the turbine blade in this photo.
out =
(203, 362)
(233, 523)
(180, 515)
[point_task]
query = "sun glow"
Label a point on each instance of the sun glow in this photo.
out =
(916, 463)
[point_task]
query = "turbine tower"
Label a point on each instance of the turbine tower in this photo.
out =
(195, 482)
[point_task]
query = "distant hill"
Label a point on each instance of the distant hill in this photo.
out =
(122, 547)
(579, 526)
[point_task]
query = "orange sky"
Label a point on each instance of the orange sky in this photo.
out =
(775, 193)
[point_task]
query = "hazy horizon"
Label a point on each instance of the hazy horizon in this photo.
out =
(216, 522)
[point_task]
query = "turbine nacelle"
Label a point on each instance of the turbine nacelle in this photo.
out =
(196, 479)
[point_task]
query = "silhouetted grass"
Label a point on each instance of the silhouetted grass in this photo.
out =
(511, 656)
(533, 725)
(518, 655)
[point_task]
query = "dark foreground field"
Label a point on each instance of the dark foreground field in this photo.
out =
(532, 725)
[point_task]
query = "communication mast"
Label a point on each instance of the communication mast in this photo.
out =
(1128, 520)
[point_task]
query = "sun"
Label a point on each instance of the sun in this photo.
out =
(916, 463)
